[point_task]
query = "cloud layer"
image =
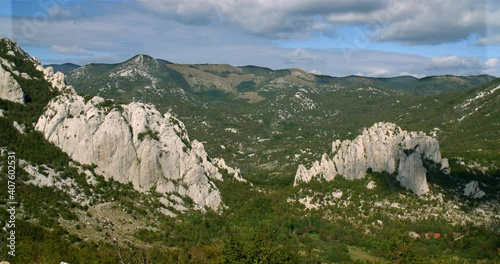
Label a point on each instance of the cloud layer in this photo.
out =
(242, 32)
(407, 21)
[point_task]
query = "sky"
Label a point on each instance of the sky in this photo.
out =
(378, 38)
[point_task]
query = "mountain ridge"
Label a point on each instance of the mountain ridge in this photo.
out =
(89, 187)
(64, 67)
(417, 86)
(278, 104)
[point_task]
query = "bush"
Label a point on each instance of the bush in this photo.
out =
(149, 133)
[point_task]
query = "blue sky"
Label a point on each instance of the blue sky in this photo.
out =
(342, 37)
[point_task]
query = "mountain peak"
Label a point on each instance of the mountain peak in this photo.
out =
(142, 59)
(139, 66)
(10, 47)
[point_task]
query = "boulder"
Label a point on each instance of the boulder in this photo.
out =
(413, 235)
(371, 185)
(472, 190)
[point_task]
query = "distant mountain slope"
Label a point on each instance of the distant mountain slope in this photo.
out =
(468, 121)
(137, 77)
(226, 78)
(64, 68)
(263, 118)
(431, 85)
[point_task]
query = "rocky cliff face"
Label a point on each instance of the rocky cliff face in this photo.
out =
(131, 143)
(384, 147)
(9, 87)
(128, 143)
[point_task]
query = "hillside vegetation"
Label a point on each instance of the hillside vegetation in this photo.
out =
(264, 122)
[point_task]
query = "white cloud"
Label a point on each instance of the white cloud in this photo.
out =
(490, 40)
(425, 22)
(491, 66)
(191, 12)
(68, 50)
(405, 73)
(491, 63)
(300, 56)
(454, 62)
(59, 11)
(118, 36)
(380, 73)
(406, 21)
(274, 19)
(464, 65)
(447, 61)
(316, 71)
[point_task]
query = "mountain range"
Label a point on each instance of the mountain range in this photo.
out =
(273, 113)
(148, 161)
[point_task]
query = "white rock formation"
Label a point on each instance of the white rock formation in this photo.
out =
(221, 164)
(411, 173)
(445, 166)
(45, 176)
(371, 185)
(472, 190)
(131, 143)
(56, 80)
(9, 88)
(337, 194)
(413, 235)
(19, 127)
(384, 147)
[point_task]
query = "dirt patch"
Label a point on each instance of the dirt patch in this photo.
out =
(109, 222)
(252, 97)
(359, 254)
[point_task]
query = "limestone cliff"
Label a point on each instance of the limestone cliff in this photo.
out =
(9, 87)
(131, 143)
(384, 147)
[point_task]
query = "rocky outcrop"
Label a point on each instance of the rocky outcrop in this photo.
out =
(371, 185)
(221, 164)
(9, 88)
(411, 173)
(384, 147)
(56, 79)
(19, 127)
(472, 190)
(131, 143)
(445, 166)
(413, 235)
